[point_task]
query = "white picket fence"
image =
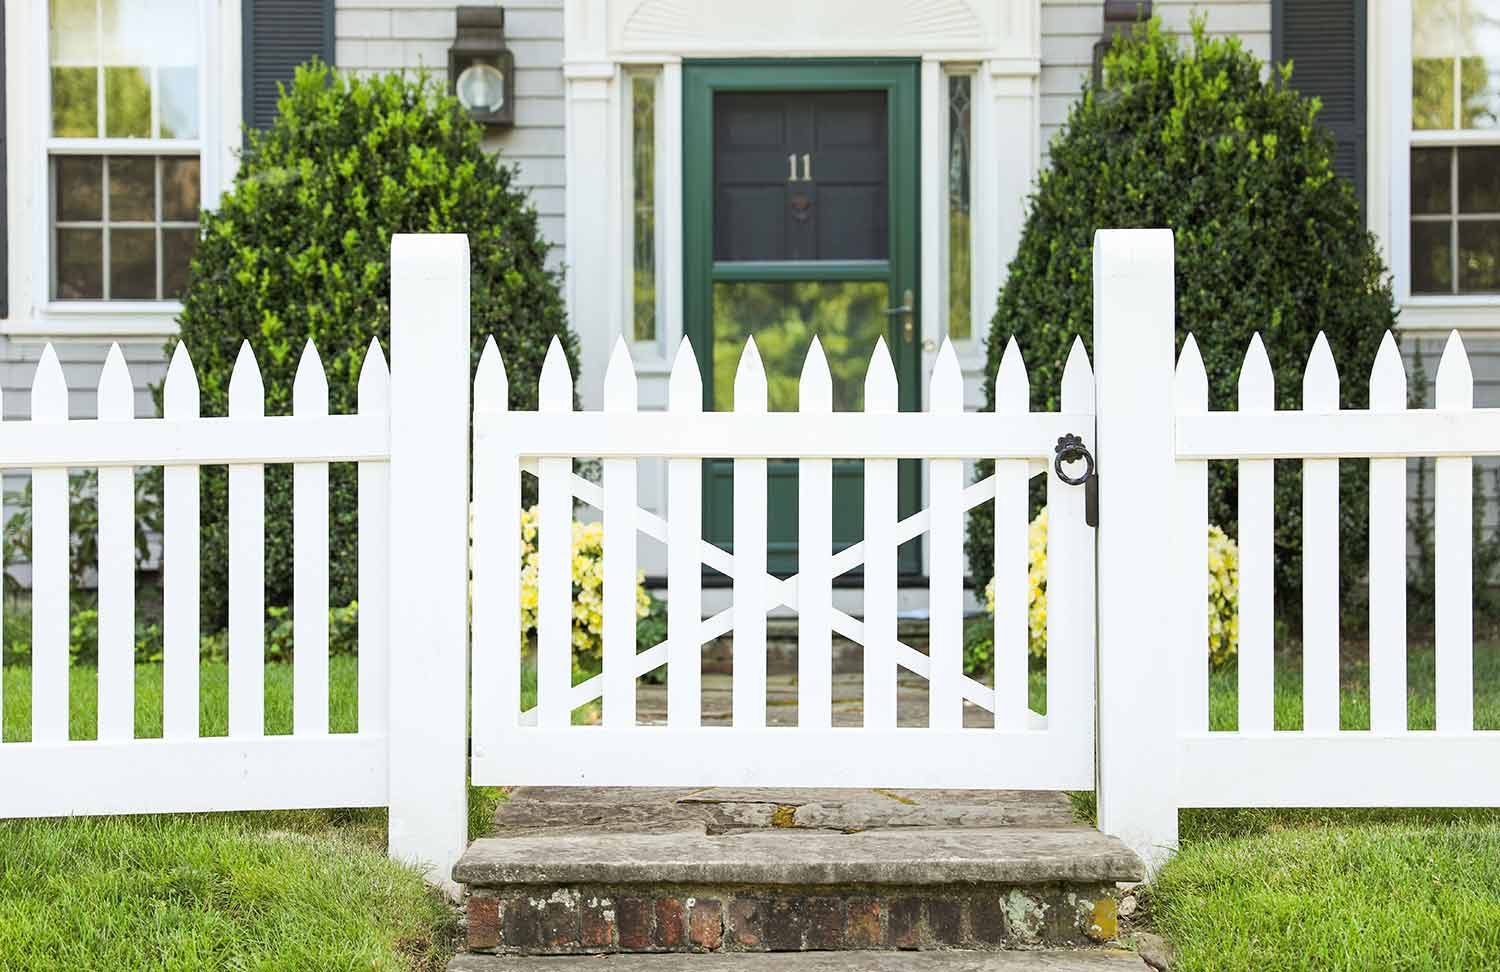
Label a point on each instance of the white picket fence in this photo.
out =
(1125, 600)
(1023, 749)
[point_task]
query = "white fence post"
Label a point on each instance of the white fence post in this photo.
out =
(1133, 361)
(429, 524)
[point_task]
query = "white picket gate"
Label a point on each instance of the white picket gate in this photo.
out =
(1126, 600)
(1022, 750)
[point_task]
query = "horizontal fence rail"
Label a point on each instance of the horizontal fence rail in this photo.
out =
(541, 745)
(1322, 764)
(116, 772)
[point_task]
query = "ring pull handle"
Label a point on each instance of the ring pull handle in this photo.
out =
(1070, 448)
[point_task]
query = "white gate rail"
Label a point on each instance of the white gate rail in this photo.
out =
(541, 746)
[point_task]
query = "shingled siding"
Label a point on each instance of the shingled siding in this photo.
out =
(1070, 29)
(380, 36)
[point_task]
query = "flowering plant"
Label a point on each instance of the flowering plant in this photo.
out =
(1223, 591)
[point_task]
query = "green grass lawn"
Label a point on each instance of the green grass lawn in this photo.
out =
(283, 890)
(1256, 889)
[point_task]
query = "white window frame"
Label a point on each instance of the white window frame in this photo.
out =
(1420, 311)
(33, 311)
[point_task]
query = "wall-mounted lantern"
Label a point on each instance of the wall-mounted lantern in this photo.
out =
(481, 72)
(1119, 15)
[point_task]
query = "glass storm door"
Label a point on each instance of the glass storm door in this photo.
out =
(801, 203)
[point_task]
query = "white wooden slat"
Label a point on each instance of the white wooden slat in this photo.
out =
(882, 397)
(310, 561)
(247, 562)
(49, 565)
(197, 442)
(1453, 525)
(842, 435)
(1070, 578)
(1191, 539)
(684, 566)
(1388, 554)
(116, 504)
(180, 607)
(619, 552)
(814, 554)
(1349, 434)
(1257, 394)
(749, 676)
(1320, 555)
(945, 581)
(554, 613)
(374, 393)
(1011, 552)
(495, 598)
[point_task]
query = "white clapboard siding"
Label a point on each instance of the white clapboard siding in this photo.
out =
(1320, 555)
(494, 601)
(116, 505)
(815, 554)
(310, 561)
(945, 591)
(1191, 539)
(1257, 394)
(1388, 554)
(554, 612)
(1453, 526)
(49, 565)
(180, 608)
(619, 552)
(684, 568)
(247, 561)
(1070, 578)
(882, 397)
(374, 393)
(749, 651)
(1011, 552)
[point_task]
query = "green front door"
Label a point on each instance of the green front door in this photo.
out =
(800, 193)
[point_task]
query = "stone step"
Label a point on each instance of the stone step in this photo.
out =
(1045, 960)
(723, 870)
(781, 647)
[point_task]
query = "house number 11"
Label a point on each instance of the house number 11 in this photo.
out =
(791, 167)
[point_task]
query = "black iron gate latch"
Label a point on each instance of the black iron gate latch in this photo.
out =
(1070, 448)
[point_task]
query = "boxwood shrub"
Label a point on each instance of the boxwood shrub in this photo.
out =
(300, 248)
(1202, 139)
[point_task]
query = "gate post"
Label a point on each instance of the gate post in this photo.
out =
(1134, 346)
(429, 537)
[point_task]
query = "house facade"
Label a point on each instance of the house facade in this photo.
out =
(713, 168)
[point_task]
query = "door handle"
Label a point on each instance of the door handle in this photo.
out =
(908, 330)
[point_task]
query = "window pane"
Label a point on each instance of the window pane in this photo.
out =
(1431, 258)
(127, 102)
(145, 32)
(73, 32)
(132, 264)
(960, 323)
(178, 101)
(1479, 256)
(1432, 93)
(1479, 179)
(75, 102)
(1431, 180)
(177, 246)
(1479, 67)
(643, 174)
(79, 187)
(80, 264)
(179, 189)
(132, 189)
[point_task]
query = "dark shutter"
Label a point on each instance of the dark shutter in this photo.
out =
(279, 35)
(1325, 41)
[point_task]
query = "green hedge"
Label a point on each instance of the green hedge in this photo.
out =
(1268, 239)
(300, 248)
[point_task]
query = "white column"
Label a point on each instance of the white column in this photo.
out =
(429, 536)
(1007, 138)
(1133, 348)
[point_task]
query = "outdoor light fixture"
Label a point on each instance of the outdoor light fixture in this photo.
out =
(1118, 16)
(481, 72)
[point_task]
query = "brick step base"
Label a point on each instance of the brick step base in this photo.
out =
(1046, 960)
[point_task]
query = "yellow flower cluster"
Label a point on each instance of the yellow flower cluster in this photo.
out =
(1223, 591)
(588, 584)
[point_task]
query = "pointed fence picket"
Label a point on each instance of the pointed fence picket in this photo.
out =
(310, 560)
(542, 746)
(1453, 528)
(116, 505)
(247, 561)
(1320, 555)
(1012, 553)
(1257, 396)
(1388, 554)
